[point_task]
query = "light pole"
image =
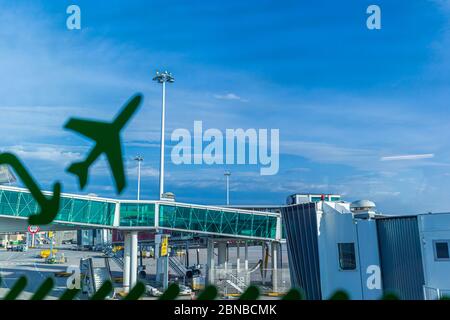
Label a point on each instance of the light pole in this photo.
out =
(139, 159)
(227, 174)
(163, 78)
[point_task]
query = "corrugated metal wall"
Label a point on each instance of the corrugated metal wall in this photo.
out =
(401, 257)
(301, 236)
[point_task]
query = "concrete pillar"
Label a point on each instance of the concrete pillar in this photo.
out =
(222, 253)
(126, 261)
(238, 257)
(27, 239)
(159, 270)
(280, 255)
(210, 262)
(133, 258)
(162, 262)
(274, 266)
(263, 259)
(187, 254)
(165, 262)
(246, 256)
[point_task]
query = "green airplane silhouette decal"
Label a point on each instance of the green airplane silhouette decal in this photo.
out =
(107, 140)
(49, 207)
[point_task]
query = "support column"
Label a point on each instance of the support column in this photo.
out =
(222, 253)
(165, 269)
(280, 255)
(133, 258)
(187, 254)
(238, 258)
(227, 257)
(246, 256)
(274, 266)
(210, 262)
(162, 260)
(126, 261)
(157, 258)
(247, 274)
(263, 259)
(27, 239)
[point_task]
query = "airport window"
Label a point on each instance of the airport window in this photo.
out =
(347, 257)
(441, 251)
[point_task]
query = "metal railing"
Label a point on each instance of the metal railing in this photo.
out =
(431, 293)
(177, 266)
(270, 281)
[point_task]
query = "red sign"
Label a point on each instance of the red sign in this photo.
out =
(33, 229)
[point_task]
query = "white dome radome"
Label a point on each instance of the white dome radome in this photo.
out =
(362, 205)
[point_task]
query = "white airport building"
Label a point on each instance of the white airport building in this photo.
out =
(348, 246)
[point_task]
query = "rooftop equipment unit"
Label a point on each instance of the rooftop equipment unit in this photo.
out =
(363, 209)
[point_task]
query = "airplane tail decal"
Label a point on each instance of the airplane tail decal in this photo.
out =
(80, 169)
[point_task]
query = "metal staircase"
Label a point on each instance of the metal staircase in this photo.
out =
(237, 283)
(177, 266)
(95, 277)
(230, 282)
(118, 261)
(100, 276)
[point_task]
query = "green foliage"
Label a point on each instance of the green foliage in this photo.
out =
(340, 295)
(390, 296)
(209, 293)
(252, 293)
(69, 294)
(293, 294)
(17, 288)
(103, 292)
(44, 289)
(171, 293)
(137, 292)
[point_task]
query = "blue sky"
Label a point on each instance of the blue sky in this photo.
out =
(342, 96)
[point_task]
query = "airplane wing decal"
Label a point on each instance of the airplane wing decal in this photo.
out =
(88, 128)
(114, 156)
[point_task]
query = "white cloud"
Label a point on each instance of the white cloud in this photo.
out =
(145, 172)
(408, 157)
(53, 153)
(327, 153)
(229, 96)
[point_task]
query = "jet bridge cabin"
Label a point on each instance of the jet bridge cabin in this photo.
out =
(342, 246)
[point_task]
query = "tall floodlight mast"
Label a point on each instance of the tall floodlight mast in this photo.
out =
(139, 159)
(163, 77)
(227, 174)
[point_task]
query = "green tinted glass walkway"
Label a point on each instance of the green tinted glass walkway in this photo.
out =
(76, 210)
